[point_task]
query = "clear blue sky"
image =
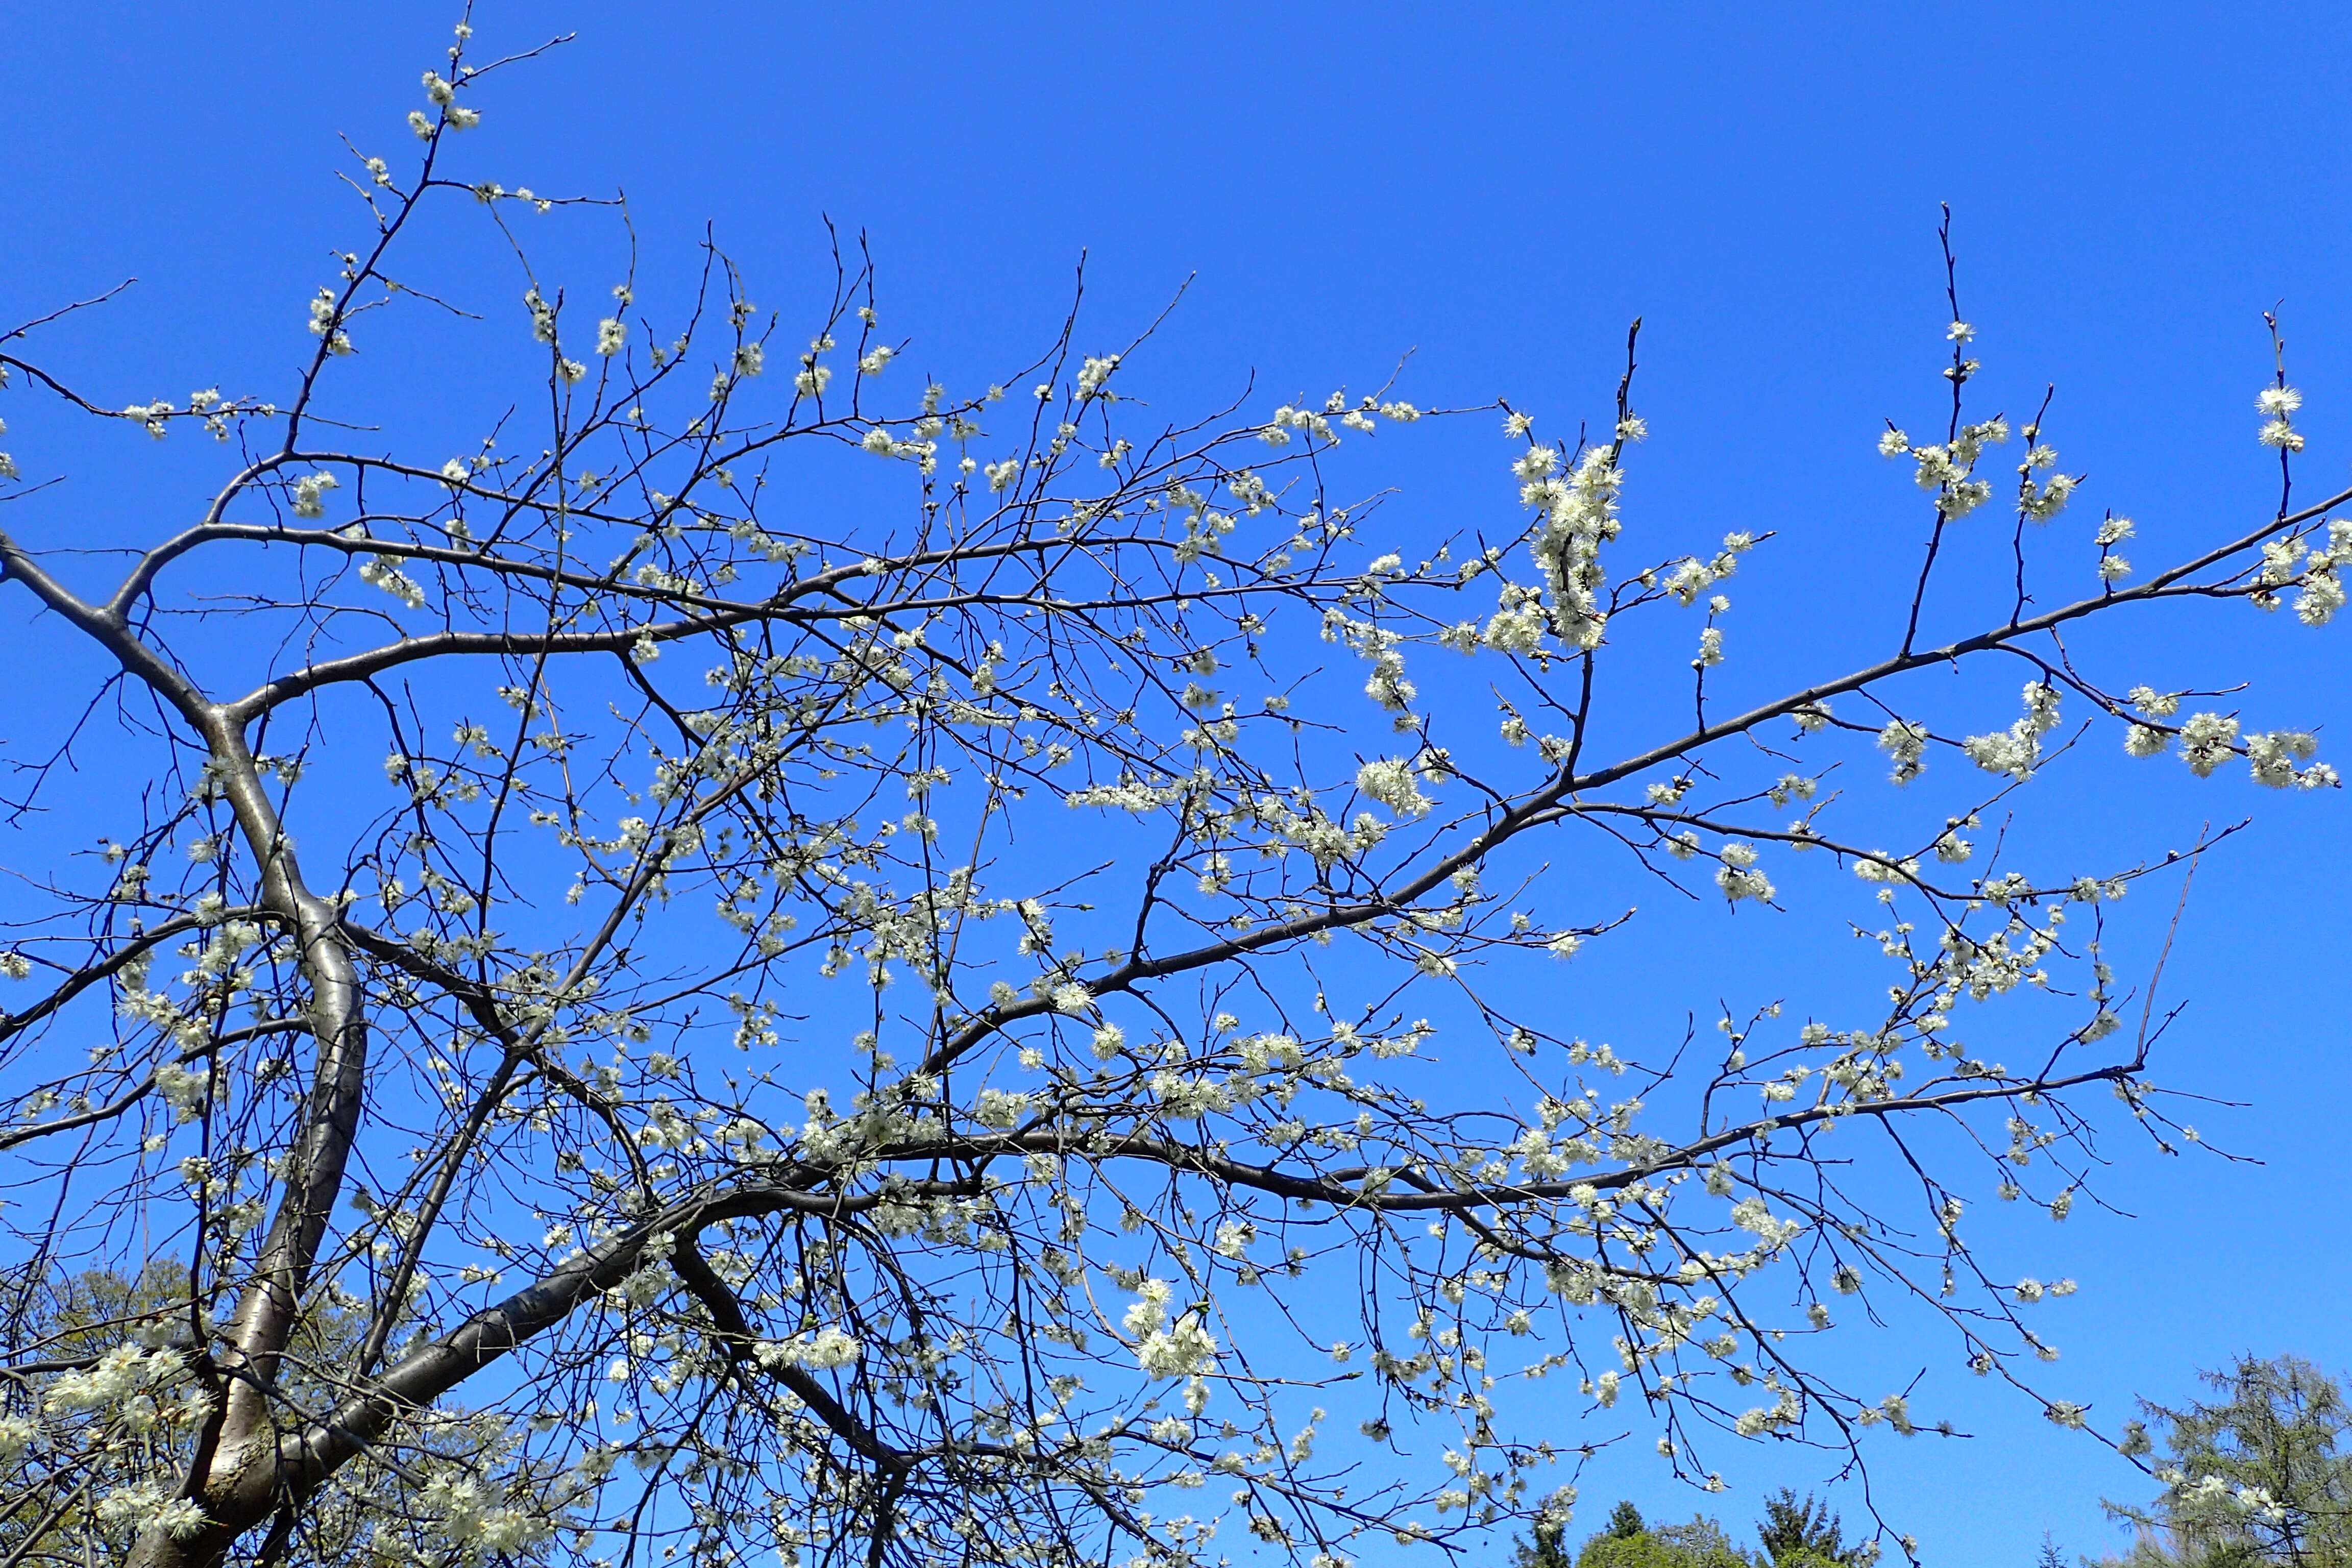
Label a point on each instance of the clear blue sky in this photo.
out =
(1501, 189)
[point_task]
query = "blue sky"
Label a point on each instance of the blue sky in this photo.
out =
(1499, 190)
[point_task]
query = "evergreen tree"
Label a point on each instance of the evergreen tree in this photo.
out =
(1627, 1540)
(2254, 1476)
(1801, 1534)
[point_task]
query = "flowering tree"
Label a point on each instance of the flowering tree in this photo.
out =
(865, 1038)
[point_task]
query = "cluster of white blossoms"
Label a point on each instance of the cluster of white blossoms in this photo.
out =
(310, 493)
(326, 322)
(1710, 644)
(1907, 743)
(1579, 516)
(2040, 503)
(1949, 470)
(1395, 783)
(2111, 532)
(208, 406)
(128, 1512)
(2277, 404)
(2016, 750)
(1690, 577)
(383, 572)
(2207, 740)
(483, 1526)
(442, 94)
(2272, 755)
(814, 375)
(827, 1349)
(141, 1397)
(1739, 878)
(2212, 1498)
(125, 1373)
(2316, 567)
(1163, 1350)
(1318, 423)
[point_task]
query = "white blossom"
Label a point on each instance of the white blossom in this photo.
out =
(1391, 781)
